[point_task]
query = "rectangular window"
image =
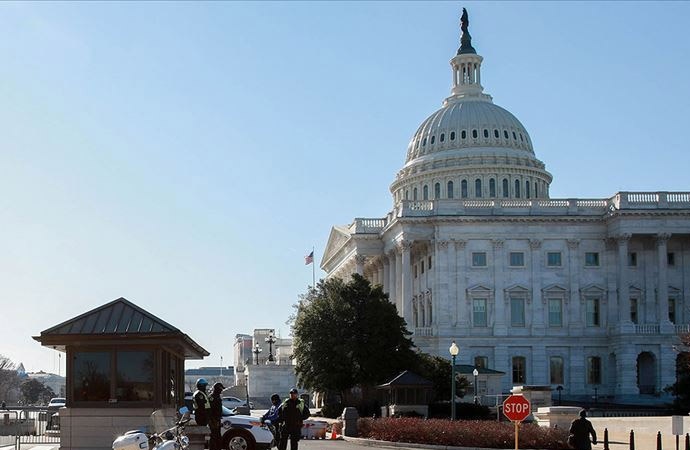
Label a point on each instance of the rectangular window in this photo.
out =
(517, 312)
(415, 270)
(672, 310)
(481, 362)
(91, 379)
(519, 365)
(517, 259)
(592, 312)
(428, 266)
(478, 259)
(633, 310)
(421, 266)
(556, 370)
(553, 259)
(134, 376)
(555, 312)
(592, 259)
(594, 370)
(671, 259)
(632, 259)
(479, 312)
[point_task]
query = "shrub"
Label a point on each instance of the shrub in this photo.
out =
(332, 410)
(462, 433)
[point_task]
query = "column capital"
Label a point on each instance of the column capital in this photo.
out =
(535, 244)
(404, 245)
(623, 238)
(360, 259)
(662, 238)
(442, 244)
(459, 243)
(498, 243)
(573, 244)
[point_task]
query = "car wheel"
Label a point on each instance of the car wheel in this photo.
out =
(239, 440)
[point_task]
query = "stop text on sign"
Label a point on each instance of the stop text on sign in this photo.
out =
(517, 408)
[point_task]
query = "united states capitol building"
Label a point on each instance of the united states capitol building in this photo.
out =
(588, 294)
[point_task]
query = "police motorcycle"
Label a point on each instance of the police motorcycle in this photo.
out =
(164, 434)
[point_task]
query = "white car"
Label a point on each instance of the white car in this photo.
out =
(241, 432)
(57, 402)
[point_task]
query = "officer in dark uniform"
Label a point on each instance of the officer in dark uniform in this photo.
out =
(216, 413)
(292, 414)
(201, 402)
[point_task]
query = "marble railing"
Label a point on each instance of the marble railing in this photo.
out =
(424, 331)
(682, 328)
(520, 207)
(648, 328)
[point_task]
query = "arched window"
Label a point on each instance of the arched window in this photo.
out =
(521, 138)
(424, 142)
(425, 192)
(478, 188)
(527, 189)
(407, 194)
(450, 189)
(433, 139)
(463, 188)
(506, 192)
(452, 135)
(536, 190)
(443, 137)
(517, 188)
(463, 134)
(437, 191)
(414, 194)
(429, 315)
(514, 136)
(505, 134)
(474, 134)
(492, 188)
(496, 135)
(486, 133)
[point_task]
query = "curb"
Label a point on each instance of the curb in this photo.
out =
(389, 444)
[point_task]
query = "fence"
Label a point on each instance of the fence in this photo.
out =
(27, 426)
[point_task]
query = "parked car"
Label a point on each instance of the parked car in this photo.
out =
(57, 402)
(233, 402)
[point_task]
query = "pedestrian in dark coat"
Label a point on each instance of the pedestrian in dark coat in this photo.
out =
(214, 417)
(580, 430)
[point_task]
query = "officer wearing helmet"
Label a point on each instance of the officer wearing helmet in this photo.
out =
(215, 415)
(201, 402)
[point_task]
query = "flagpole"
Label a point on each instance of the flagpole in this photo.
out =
(313, 270)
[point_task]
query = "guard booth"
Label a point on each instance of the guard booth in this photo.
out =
(123, 363)
(406, 393)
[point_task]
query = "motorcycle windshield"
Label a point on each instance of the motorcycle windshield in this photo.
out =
(161, 421)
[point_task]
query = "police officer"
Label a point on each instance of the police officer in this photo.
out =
(201, 402)
(292, 414)
(215, 415)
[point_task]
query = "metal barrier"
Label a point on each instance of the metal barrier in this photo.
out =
(27, 426)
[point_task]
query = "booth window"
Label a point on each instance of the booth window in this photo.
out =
(91, 379)
(134, 376)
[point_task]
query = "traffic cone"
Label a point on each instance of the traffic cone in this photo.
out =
(333, 434)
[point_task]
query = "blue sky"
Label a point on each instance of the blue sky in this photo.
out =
(187, 156)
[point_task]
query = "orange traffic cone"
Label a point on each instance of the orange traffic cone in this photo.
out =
(333, 435)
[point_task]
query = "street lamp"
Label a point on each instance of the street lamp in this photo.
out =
(246, 383)
(453, 350)
(256, 351)
(475, 372)
(271, 340)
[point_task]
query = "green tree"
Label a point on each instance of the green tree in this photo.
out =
(348, 334)
(34, 391)
(438, 370)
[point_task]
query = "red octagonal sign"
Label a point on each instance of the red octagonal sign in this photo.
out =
(516, 408)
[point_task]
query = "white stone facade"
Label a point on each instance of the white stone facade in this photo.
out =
(587, 294)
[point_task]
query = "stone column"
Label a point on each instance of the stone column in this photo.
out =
(500, 328)
(573, 317)
(461, 306)
(538, 327)
(359, 264)
(380, 271)
(441, 288)
(623, 284)
(662, 284)
(398, 280)
(406, 291)
(391, 276)
(386, 275)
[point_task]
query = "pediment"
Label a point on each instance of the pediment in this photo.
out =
(555, 289)
(517, 289)
(479, 289)
(339, 236)
(592, 289)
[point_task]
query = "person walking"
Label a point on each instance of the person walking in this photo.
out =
(272, 416)
(214, 417)
(291, 414)
(201, 403)
(580, 430)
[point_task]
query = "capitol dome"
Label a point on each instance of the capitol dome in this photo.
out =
(470, 148)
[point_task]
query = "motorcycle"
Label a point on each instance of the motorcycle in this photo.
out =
(163, 437)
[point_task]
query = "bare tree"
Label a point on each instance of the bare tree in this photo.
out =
(8, 377)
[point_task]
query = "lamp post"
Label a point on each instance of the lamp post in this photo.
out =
(271, 340)
(453, 350)
(475, 372)
(246, 384)
(256, 351)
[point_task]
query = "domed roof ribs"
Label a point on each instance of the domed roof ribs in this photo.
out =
(465, 39)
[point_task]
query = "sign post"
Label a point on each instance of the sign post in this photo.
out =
(516, 408)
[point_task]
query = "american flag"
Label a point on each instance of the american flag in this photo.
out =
(309, 259)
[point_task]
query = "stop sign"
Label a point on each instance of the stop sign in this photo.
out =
(516, 408)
